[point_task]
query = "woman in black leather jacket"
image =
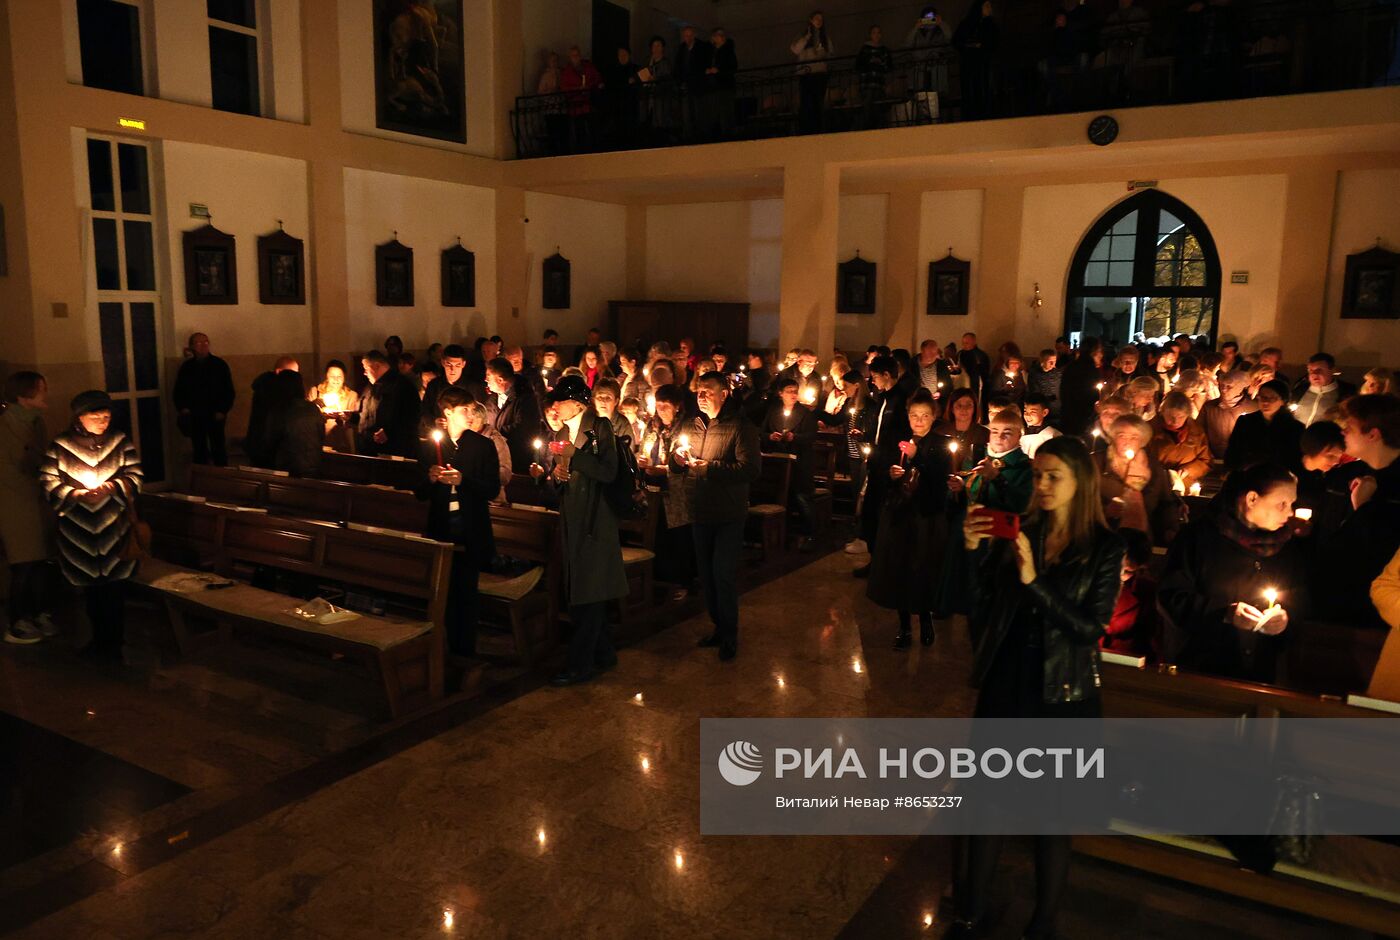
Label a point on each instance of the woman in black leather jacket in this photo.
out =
(1040, 607)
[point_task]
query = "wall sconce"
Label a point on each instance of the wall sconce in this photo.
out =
(1036, 302)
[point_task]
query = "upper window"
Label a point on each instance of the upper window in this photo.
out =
(109, 40)
(1147, 269)
(233, 56)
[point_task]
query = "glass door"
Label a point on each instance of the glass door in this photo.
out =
(124, 257)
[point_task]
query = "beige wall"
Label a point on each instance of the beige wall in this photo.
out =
(949, 219)
(428, 215)
(1368, 208)
(593, 237)
(726, 251)
(862, 225)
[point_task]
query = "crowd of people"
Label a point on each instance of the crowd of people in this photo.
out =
(689, 93)
(1025, 492)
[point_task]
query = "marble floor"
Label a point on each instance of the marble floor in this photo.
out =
(575, 813)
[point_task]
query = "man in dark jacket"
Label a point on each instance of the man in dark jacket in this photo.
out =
(513, 411)
(977, 365)
(1321, 391)
(581, 461)
(389, 411)
(790, 427)
(886, 422)
(723, 460)
(258, 443)
(454, 373)
(459, 489)
(203, 396)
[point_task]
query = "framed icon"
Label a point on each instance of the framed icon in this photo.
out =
(393, 274)
(211, 267)
(281, 269)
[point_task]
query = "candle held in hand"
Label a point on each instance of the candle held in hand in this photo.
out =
(1304, 514)
(437, 442)
(1195, 489)
(865, 450)
(1271, 595)
(952, 447)
(1129, 454)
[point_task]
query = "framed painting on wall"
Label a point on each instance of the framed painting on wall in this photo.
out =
(211, 267)
(855, 286)
(1369, 288)
(557, 276)
(393, 274)
(281, 269)
(458, 277)
(419, 73)
(948, 286)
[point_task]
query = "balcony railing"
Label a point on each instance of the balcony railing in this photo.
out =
(1272, 47)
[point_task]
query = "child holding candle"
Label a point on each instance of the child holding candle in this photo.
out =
(1136, 489)
(1235, 578)
(790, 427)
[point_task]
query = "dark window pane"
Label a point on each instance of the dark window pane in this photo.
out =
(242, 12)
(140, 261)
(233, 71)
(136, 189)
(144, 357)
(152, 440)
(100, 175)
(104, 244)
(113, 329)
(109, 36)
(121, 415)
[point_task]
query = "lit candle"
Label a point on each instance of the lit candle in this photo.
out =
(683, 445)
(680, 860)
(1304, 513)
(952, 447)
(1195, 489)
(1293, 407)
(1129, 454)
(852, 411)
(332, 401)
(1099, 386)
(538, 445)
(437, 442)
(809, 396)
(787, 412)
(651, 402)
(940, 384)
(865, 450)
(1096, 432)
(1271, 595)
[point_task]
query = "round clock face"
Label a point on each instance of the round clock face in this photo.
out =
(1103, 130)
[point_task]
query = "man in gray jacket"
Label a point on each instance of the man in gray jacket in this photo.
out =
(722, 457)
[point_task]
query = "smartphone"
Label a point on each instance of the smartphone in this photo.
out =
(1005, 525)
(556, 447)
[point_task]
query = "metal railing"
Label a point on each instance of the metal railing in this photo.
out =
(1271, 47)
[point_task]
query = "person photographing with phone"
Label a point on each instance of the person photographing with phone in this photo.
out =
(1041, 603)
(1235, 578)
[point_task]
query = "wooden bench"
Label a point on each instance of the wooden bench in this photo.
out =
(404, 655)
(768, 502)
(639, 554)
(401, 474)
(1165, 692)
(518, 533)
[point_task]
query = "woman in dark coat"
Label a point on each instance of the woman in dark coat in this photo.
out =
(92, 474)
(1221, 620)
(294, 426)
(913, 532)
(1269, 435)
(1136, 489)
(585, 462)
(1041, 606)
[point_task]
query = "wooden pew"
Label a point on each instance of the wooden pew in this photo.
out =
(768, 501)
(1165, 692)
(358, 468)
(403, 654)
(529, 533)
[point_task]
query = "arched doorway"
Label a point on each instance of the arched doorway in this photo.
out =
(1147, 269)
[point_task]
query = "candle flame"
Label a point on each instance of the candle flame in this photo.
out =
(1195, 489)
(1271, 595)
(1099, 386)
(856, 666)
(1096, 432)
(540, 837)
(637, 698)
(333, 401)
(1304, 514)
(1129, 453)
(437, 436)
(952, 447)
(538, 443)
(646, 765)
(680, 860)
(447, 919)
(865, 449)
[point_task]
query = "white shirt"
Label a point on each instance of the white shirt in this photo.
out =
(1317, 394)
(501, 399)
(1031, 440)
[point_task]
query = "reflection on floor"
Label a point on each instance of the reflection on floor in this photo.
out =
(54, 790)
(575, 813)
